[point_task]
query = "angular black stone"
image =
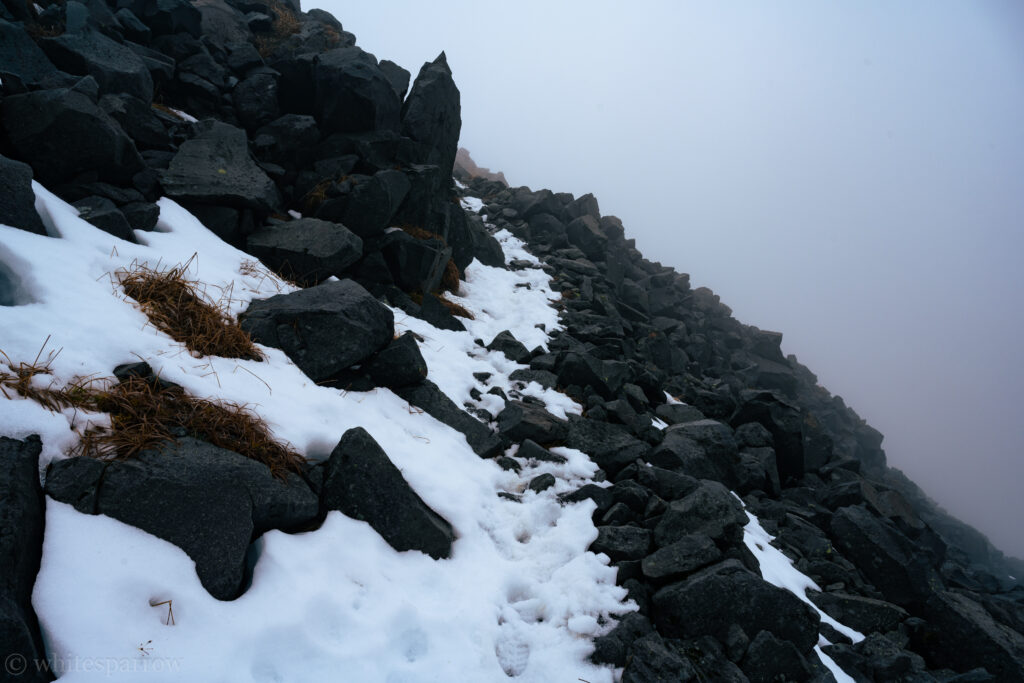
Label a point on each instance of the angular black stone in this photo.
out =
(398, 364)
(215, 167)
(17, 201)
(680, 558)
(519, 421)
(362, 482)
(428, 397)
(622, 542)
(712, 600)
(324, 329)
(208, 501)
(307, 250)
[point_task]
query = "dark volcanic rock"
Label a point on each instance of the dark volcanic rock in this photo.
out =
(17, 201)
(705, 449)
(961, 634)
(507, 344)
(352, 94)
(612, 648)
(90, 53)
(622, 542)
(22, 511)
(680, 558)
(398, 364)
(610, 446)
(40, 124)
(362, 482)
(520, 421)
(307, 250)
(710, 509)
(652, 662)
(435, 403)
(861, 614)
(431, 114)
(102, 213)
(324, 329)
(215, 167)
(416, 265)
(20, 57)
(898, 568)
(769, 659)
(208, 501)
(713, 599)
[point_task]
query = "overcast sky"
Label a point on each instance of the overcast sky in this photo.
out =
(850, 174)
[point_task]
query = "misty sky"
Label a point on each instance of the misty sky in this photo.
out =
(851, 175)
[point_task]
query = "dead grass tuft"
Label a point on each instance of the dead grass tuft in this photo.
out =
(172, 302)
(145, 413)
(285, 23)
(455, 309)
(450, 278)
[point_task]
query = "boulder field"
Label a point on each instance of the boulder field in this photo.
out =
(286, 139)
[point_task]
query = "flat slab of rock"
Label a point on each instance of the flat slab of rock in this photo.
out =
(710, 509)
(362, 482)
(208, 501)
(428, 397)
(215, 167)
(323, 329)
(308, 250)
(683, 557)
(713, 599)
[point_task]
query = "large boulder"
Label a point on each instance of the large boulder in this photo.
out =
(116, 68)
(22, 510)
(352, 94)
(727, 593)
(705, 449)
(432, 114)
(960, 634)
(416, 265)
(399, 364)
(902, 570)
(39, 125)
(208, 501)
(784, 421)
(366, 204)
(215, 167)
(428, 397)
(324, 329)
(20, 57)
(17, 201)
(612, 447)
(167, 17)
(362, 482)
(307, 250)
(710, 510)
(520, 420)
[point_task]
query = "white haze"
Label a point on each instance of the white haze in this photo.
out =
(851, 174)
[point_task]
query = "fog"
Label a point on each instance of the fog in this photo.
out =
(850, 175)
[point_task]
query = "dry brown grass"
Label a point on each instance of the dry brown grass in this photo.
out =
(172, 302)
(312, 200)
(450, 278)
(455, 309)
(285, 23)
(146, 413)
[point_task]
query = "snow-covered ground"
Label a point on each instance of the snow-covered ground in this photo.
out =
(521, 595)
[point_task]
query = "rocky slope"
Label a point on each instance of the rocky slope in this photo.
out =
(285, 139)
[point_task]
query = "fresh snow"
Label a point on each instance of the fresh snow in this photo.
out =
(520, 596)
(779, 571)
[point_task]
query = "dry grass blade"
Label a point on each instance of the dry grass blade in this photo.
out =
(144, 413)
(173, 304)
